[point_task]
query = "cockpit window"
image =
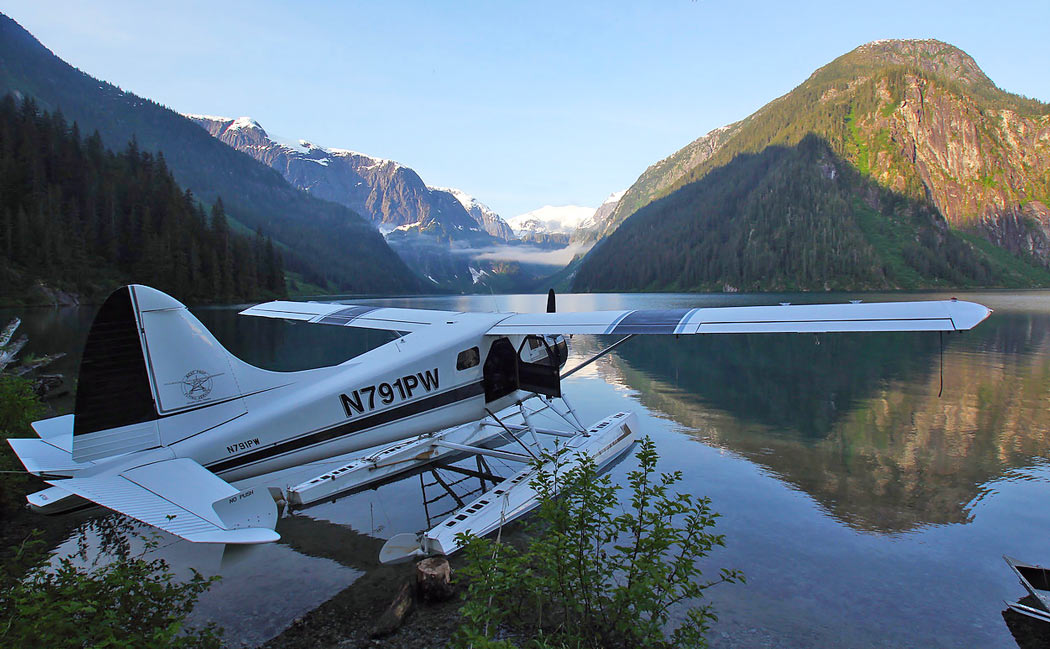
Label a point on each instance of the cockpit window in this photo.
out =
(468, 358)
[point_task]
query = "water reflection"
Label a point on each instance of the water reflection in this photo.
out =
(856, 420)
(865, 510)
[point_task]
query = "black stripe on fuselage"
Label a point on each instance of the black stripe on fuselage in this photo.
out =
(353, 426)
(650, 322)
(347, 315)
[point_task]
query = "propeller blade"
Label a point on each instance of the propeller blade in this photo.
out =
(550, 301)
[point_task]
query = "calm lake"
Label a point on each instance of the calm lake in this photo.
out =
(865, 509)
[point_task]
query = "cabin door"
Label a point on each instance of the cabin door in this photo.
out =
(501, 370)
(538, 365)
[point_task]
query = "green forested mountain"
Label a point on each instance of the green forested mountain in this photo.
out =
(794, 218)
(82, 219)
(331, 245)
(907, 125)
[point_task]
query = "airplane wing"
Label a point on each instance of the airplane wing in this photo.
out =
(182, 497)
(368, 317)
(942, 315)
(945, 315)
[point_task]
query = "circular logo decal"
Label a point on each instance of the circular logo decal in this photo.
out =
(197, 385)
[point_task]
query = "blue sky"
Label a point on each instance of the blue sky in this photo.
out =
(519, 104)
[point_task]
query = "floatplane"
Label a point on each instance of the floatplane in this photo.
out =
(166, 420)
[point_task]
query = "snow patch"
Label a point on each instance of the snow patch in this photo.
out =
(297, 146)
(614, 197)
(213, 118)
(551, 219)
(476, 275)
(243, 122)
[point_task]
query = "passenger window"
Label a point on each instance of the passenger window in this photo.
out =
(468, 358)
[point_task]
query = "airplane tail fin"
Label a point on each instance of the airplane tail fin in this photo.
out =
(151, 375)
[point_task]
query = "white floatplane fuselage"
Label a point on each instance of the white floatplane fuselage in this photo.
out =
(404, 388)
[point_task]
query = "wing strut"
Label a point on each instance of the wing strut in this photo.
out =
(598, 355)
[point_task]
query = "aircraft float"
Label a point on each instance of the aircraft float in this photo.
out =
(166, 420)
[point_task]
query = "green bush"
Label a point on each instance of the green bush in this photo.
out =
(19, 406)
(595, 572)
(129, 602)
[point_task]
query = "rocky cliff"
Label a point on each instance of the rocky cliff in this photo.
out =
(489, 220)
(387, 192)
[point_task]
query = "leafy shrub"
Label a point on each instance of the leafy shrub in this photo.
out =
(19, 406)
(595, 572)
(129, 602)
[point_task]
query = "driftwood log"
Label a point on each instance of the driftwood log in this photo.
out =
(434, 579)
(395, 614)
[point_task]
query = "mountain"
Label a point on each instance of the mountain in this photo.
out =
(550, 226)
(82, 220)
(390, 194)
(898, 165)
(328, 243)
(661, 176)
(439, 233)
(489, 220)
(594, 227)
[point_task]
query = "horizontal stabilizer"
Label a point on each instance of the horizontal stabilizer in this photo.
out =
(247, 509)
(55, 500)
(57, 431)
(182, 497)
(45, 460)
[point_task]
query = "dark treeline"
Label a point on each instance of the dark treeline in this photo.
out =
(83, 219)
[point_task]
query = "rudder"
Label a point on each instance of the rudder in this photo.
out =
(151, 375)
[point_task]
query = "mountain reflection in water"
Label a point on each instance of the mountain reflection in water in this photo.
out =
(864, 509)
(856, 420)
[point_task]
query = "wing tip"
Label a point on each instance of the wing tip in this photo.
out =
(967, 315)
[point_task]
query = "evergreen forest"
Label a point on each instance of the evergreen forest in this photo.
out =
(77, 217)
(795, 218)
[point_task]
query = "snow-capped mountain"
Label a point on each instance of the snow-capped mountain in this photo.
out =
(492, 222)
(443, 235)
(390, 194)
(603, 212)
(551, 219)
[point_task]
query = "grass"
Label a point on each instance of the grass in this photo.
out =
(887, 236)
(859, 146)
(1020, 269)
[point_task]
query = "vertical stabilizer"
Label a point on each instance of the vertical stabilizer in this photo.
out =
(152, 375)
(115, 411)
